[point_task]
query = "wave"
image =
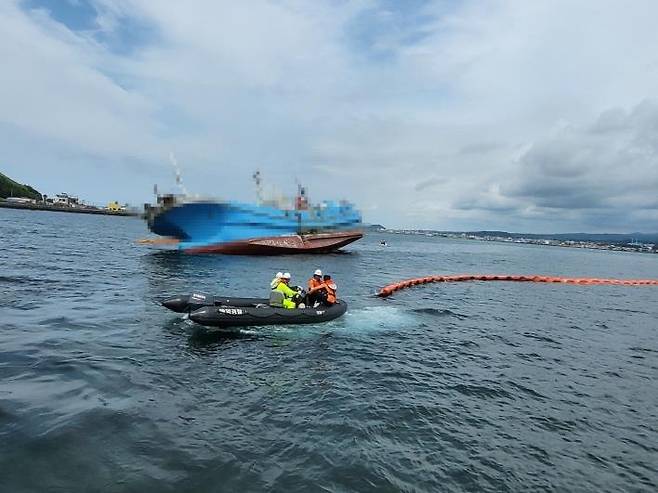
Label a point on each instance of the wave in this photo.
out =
(439, 312)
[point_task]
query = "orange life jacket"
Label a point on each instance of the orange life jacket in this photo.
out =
(314, 283)
(331, 291)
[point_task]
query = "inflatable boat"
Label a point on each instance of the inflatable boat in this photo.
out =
(263, 314)
(189, 302)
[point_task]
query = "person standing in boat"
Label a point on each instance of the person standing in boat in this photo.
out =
(291, 298)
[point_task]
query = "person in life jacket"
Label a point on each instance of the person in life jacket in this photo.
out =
(316, 280)
(277, 279)
(330, 287)
(291, 298)
(316, 292)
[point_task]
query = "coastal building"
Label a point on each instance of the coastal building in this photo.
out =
(64, 199)
(21, 200)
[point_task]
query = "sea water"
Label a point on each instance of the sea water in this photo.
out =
(475, 386)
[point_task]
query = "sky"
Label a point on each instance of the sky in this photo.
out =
(511, 115)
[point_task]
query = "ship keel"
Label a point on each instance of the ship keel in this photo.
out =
(283, 245)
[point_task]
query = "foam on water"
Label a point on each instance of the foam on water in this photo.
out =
(360, 320)
(375, 319)
(355, 321)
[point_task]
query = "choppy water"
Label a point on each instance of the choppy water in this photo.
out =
(460, 387)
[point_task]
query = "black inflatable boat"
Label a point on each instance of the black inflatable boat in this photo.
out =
(263, 314)
(189, 302)
(220, 311)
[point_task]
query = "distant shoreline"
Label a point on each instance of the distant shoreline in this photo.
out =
(621, 246)
(75, 210)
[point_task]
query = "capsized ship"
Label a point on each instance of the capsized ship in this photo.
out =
(267, 227)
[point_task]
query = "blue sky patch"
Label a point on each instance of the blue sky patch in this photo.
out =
(129, 34)
(377, 31)
(77, 15)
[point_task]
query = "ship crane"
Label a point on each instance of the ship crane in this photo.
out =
(179, 178)
(259, 186)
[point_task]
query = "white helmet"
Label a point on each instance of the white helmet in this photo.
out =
(279, 275)
(318, 272)
(286, 275)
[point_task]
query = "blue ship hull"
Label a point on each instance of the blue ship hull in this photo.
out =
(204, 225)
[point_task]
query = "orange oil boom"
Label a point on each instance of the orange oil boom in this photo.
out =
(391, 288)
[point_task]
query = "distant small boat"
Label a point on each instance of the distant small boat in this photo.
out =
(383, 243)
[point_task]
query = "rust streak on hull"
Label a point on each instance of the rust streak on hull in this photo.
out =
(278, 245)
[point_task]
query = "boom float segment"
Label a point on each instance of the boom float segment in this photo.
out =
(391, 288)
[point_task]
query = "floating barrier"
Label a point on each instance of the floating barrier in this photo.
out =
(391, 288)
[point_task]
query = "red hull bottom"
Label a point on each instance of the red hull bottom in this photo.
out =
(279, 245)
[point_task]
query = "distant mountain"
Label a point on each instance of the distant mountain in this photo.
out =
(609, 238)
(595, 237)
(373, 227)
(10, 188)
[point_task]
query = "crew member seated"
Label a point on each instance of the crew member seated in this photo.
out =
(277, 279)
(316, 293)
(283, 296)
(330, 287)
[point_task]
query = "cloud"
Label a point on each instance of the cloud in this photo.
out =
(604, 173)
(431, 182)
(490, 115)
(611, 162)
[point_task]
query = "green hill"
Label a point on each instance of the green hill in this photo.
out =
(10, 188)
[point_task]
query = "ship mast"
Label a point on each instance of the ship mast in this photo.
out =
(259, 186)
(179, 178)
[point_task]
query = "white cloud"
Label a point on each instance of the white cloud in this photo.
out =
(51, 87)
(517, 115)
